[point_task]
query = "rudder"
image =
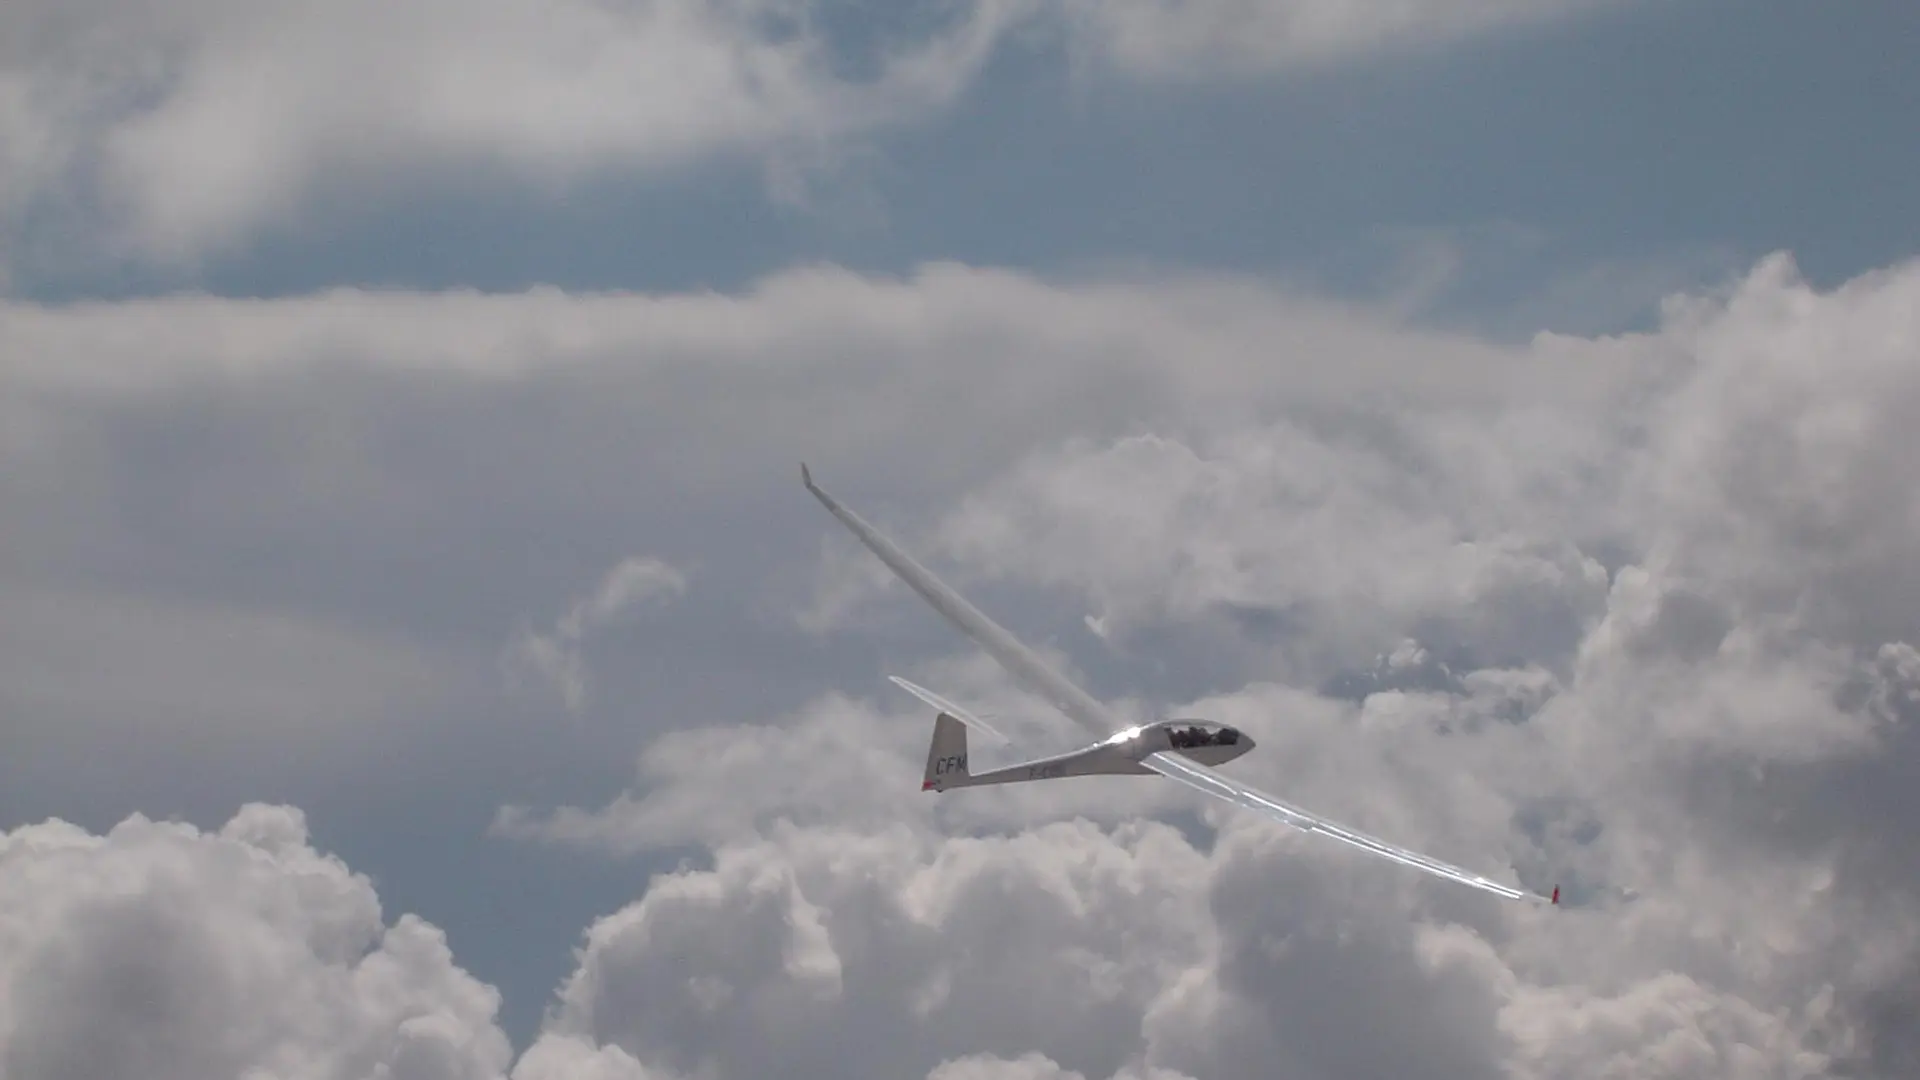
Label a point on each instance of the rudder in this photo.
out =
(947, 756)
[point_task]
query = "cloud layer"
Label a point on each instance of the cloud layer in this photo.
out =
(186, 127)
(1633, 614)
(1691, 739)
(169, 132)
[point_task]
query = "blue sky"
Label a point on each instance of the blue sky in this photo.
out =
(1700, 132)
(1222, 382)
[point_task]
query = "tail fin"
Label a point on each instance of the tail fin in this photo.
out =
(947, 756)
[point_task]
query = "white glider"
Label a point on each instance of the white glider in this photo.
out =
(1182, 750)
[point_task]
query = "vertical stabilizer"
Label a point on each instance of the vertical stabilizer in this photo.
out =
(947, 756)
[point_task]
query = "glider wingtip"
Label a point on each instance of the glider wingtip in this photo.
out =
(806, 475)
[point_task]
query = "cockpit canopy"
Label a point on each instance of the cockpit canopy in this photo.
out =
(1190, 734)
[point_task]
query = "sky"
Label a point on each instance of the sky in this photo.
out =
(420, 660)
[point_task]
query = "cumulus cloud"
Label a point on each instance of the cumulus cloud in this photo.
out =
(563, 1058)
(834, 761)
(1631, 614)
(160, 951)
(556, 656)
(817, 952)
(1645, 660)
(987, 1067)
(1266, 521)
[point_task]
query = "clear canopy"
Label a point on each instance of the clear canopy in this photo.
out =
(1186, 735)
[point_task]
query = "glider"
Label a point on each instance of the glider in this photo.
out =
(1178, 749)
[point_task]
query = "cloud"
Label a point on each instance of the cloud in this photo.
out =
(1028, 1067)
(1210, 40)
(556, 656)
(166, 133)
(1326, 530)
(842, 330)
(563, 1058)
(838, 954)
(291, 516)
(160, 951)
(1661, 652)
(987, 1067)
(1773, 475)
(833, 761)
(186, 127)
(1628, 613)
(1127, 949)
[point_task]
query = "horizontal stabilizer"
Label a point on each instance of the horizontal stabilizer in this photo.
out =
(950, 708)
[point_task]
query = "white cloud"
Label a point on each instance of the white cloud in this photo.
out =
(1711, 746)
(858, 943)
(1776, 470)
(814, 325)
(188, 126)
(158, 951)
(1207, 40)
(556, 656)
(835, 761)
(326, 481)
(1722, 722)
(561, 1057)
(908, 366)
(822, 952)
(871, 936)
(169, 131)
(1333, 529)
(988, 1067)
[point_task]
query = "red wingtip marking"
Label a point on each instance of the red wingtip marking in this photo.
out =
(1556, 894)
(926, 785)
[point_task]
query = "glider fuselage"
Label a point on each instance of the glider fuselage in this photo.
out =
(1203, 742)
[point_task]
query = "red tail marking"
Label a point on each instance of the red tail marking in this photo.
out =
(926, 785)
(1556, 894)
